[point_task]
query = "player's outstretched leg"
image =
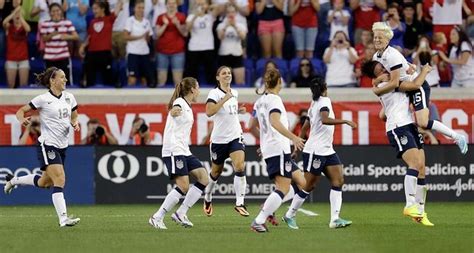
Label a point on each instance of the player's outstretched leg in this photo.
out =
(12, 182)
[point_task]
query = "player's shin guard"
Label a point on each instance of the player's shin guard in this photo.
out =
(170, 201)
(272, 203)
(297, 202)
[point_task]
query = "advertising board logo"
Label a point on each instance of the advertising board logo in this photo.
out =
(118, 166)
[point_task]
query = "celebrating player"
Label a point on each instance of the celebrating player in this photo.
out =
(58, 112)
(178, 159)
(393, 61)
(226, 139)
(319, 155)
(404, 136)
(270, 115)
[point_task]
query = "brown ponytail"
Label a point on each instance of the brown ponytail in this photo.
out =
(271, 78)
(182, 89)
(44, 78)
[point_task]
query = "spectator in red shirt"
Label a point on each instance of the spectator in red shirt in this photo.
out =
(170, 45)
(99, 43)
(364, 81)
(366, 13)
(440, 44)
(365, 40)
(304, 27)
(16, 29)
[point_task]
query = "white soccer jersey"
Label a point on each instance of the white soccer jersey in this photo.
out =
(392, 59)
(320, 136)
(226, 120)
(397, 109)
(178, 130)
(272, 143)
(55, 117)
(138, 28)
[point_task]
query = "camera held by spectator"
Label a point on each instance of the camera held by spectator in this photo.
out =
(31, 133)
(140, 134)
(97, 134)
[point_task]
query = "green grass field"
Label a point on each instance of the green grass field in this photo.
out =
(124, 228)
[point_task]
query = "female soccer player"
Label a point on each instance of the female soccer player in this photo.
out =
(57, 112)
(226, 139)
(319, 155)
(270, 115)
(178, 159)
(404, 136)
(394, 62)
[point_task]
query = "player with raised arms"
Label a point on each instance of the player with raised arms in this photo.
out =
(398, 68)
(404, 136)
(226, 139)
(270, 116)
(58, 114)
(179, 160)
(319, 155)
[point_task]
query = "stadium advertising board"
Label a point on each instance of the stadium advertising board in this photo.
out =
(23, 160)
(372, 174)
(118, 119)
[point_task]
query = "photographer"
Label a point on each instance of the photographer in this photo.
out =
(31, 133)
(140, 134)
(98, 134)
(340, 58)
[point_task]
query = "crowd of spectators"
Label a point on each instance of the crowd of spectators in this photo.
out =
(156, 42)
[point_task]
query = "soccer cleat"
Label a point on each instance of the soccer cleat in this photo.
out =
(272, 219)
(412, 211)
(69, 222)
(291, 222)
(156, 223)
(423, 220)
(8, 188)
(182, 220)
(259, 228)
(462, 143)
(207, 208)
(242, 210)
(339, 223)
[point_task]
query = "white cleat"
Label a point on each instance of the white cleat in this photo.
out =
(69, 222)
(156, 223)
(182, 220)
(8, 188)
(462, 143)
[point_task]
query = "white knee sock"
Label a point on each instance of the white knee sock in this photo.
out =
(297, 202)
(272, 203)
(410, 186)
(191, 198)
(421, 190)
(31, 179)
(335, 197)
(240, 186)
(59, 203)
(170, 201)
(209, 189)
(442, 128)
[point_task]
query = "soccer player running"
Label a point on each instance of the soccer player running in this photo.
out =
(58, 113)
(393, 61)
(226, 139)
(404, 136)
(179, 160)
(319, 155)
(270, 115)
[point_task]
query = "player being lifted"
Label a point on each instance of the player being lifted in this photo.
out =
(58, 114)
(394, 62)
(226, 139)
(179, 160)
(270, 115)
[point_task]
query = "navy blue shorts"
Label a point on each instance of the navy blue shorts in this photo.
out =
(220, 152)
(420, 99)
(139, 65)
(281, 165)
(317, 163)
(181, 165)
(48, 155)
(404, 138)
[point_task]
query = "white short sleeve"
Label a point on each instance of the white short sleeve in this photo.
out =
(37, 102)
(150, 29)
(346, 13)
(465, 47)
(213, 96)
(189, 18)
(395, 61)
(324, 103)
(129, 24)
(276, 105)
(73, 102)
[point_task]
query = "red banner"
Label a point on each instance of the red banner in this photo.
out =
(457, 114)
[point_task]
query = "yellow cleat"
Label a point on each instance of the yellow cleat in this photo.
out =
(412, 211)
(424, 220)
